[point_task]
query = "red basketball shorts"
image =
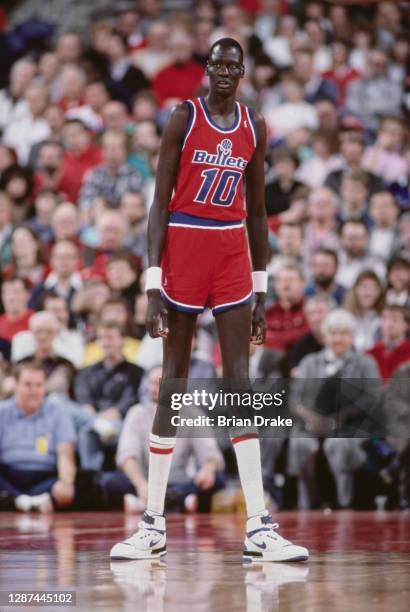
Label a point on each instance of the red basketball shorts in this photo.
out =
(205, 264)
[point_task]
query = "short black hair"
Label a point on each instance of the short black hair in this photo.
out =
(227, 43)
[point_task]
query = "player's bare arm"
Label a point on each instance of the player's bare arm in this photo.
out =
(257, 226)
(171, 145)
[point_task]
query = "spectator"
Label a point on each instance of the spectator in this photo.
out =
(111, 232)
(14, 296)
(321, 226)
(79, 156)
(354, 256)
(23, 133)
(279, 192)
(63, 278)
(324, 269)
(13, 106)
(115, 116)
(404, 236)
(155, 55)
(316, 310)
(398, 282)
(113, 177)
(59, 371)
(375, 94)
(340, 72)
(87, 305)
(321, 410)
(6, 229)
(44, 206)
(68, 48)
(182, 78)
(37, 463)
(122, 277)
(315, 87)
(107, 389)
(68, 343)
(71, 83)
(125, 80)
(28, 259)
(352, 149)
(365, 301)
(353, 194)
(115, 309)
(384, 215)
(385, 157)
(48, 175)
(65, 223)
(394, 349)
(133, 209)
(313, 171)
(289, 248)
(129, 487)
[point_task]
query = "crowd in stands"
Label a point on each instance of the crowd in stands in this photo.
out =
(81, 118)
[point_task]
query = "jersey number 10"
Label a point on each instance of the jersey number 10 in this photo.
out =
(223, 185)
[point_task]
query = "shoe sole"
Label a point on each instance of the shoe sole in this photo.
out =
(250, 556)
(149, 554)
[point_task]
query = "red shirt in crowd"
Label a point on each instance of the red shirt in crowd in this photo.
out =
(74, 167)
(178, 81)
(342, 77)
(10, 327)
(284, 326)
(388, 359)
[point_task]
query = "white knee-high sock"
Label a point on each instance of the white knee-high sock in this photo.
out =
(248, 457)
(160, 457)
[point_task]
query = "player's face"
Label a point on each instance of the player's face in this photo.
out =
(224, 69)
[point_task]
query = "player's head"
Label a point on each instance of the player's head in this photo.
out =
(225, 66)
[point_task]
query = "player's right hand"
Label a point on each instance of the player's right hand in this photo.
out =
(157, 315)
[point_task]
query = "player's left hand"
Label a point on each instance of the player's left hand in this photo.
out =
(258, 333)
(157, 315)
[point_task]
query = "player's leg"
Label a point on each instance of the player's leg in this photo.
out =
(149, 542)
(262, 542)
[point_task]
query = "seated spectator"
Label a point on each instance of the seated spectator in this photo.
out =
(383, 213)
(111, 231)
(375, 94)
(72, 81)
(125, 80)
(279, 192)
(122, 277)
(321, 408)
(394, 348)
(321, 225)
(289, 245)
(293, 112)
(398, 282)
(324, 268)
(25, 132)
(48, 174)
(65, 223)
(182, 78)
(351, 150)
(59, 371)
(128, 488)
(133, 209)
(364, 301)
(17, 183)
(316, 310)
(16, 317)
(145, 145)
(106, 389)
(87, 304)
(44, 206)
(115, 116)
(113, 177)
(114, 309)
(63, 278)
(315, 86)
(13, 106)
(354, 256)
(403, 248)
(68, 343)
(340, 73)
(285, 320)
(353, 195)
(37, 437)
(80, 155)
(6, 229)
(385, 157)
(29, 258)
(154, 56)
(313, 171)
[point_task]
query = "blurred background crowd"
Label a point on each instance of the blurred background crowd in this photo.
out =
(81, 116)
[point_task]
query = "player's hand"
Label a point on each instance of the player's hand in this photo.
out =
(258, 333)
(157, 315)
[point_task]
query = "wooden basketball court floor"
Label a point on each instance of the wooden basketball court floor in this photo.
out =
(359, 561)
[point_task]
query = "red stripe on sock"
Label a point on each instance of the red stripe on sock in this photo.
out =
(160, 451)
(244, 437)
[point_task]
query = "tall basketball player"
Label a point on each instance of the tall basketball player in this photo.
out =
(198, 257)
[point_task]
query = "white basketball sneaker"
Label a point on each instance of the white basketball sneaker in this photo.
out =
(263, 543)
(149, 542)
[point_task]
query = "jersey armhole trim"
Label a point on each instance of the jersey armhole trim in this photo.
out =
(191, 120)
(252, 124)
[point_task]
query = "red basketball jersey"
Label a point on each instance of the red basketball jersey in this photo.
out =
(212, 164)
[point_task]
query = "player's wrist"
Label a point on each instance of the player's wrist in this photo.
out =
(153, 277)
(260, 282)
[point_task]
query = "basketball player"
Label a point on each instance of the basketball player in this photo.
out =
(198, 257)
